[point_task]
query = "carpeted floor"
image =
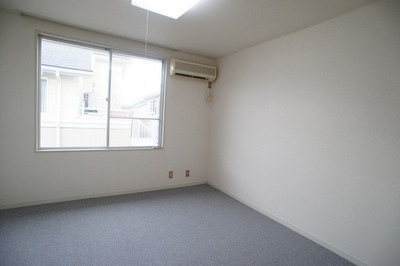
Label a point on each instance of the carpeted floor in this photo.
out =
(186, 226)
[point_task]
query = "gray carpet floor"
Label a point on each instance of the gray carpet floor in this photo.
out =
(196, 225)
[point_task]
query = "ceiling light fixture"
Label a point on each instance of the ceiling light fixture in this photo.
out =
(171, 8)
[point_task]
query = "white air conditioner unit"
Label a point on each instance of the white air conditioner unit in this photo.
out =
(192, 70)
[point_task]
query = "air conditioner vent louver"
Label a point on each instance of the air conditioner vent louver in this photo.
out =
(190, 76)
(192, 70)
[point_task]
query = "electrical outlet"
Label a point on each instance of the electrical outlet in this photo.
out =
(171, 174)
(187, 173)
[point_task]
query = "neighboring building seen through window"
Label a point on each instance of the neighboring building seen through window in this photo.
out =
(43, 95)
(80, 107)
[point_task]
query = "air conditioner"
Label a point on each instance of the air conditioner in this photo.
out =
(192, 70)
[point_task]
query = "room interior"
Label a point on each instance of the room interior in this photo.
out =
(304, 126)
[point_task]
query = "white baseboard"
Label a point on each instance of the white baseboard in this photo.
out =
(294, 228)
(40, 202)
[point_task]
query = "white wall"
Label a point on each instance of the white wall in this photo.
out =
(28, 177)
(306, 128)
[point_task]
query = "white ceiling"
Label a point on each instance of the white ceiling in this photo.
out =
(213, 28)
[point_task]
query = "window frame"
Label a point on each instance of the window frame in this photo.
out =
(110, 50)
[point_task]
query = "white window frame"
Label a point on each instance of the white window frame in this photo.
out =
(163, 61)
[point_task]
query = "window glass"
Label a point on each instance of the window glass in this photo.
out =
(81, 108)
(135, 100)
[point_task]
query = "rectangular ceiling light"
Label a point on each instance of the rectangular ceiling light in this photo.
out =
(170, 8)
